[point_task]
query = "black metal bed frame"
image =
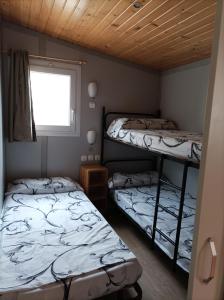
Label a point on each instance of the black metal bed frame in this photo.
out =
(162, 157)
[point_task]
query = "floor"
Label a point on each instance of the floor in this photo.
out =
(158, 281)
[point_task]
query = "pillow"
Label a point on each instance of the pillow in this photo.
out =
(116, 126)
(43, 186)
(124, 180)
(149, 124)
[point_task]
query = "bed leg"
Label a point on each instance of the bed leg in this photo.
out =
(137, 288)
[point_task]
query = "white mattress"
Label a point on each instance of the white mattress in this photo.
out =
(139, 204)
(89, 286)
(181, 144)
(48, 238)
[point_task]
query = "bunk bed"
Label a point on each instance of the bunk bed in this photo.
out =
(56, 245)
(154, 209)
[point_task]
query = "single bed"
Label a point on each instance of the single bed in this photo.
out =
(180, 144)
(139, 204)
(55, 244)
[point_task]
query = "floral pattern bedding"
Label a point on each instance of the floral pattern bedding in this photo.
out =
(46, 238)
(43, 186)
(125, 180)
(139, 204)
(181, 144)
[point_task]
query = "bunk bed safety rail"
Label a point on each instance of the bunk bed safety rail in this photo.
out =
(104, 123)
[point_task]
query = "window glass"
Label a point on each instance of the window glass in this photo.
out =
(56, 93)
(51, 98)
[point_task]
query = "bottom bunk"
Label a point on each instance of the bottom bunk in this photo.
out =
(139, 204)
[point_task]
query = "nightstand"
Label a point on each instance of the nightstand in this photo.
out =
(93, 179)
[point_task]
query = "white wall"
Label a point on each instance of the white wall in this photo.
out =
(183, 99)
(1, 146)
(122, 86)
(183, 95)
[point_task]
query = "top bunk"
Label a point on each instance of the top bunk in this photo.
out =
(149, 132)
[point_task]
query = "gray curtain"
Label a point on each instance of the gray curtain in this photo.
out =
(21, 122)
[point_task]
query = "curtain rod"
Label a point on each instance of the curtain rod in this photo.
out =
(78, 62)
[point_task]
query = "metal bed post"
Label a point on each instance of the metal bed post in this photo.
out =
(157, 199)
(102, 136)
(178, 216)
(179, 221)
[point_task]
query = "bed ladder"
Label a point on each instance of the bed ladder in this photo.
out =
(178, 216)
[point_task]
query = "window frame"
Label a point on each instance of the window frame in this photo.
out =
(54, 67)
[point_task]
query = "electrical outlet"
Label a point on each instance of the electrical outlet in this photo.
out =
(83, 158)
(90, 157)
(97, 157)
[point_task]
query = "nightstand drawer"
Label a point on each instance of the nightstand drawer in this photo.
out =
(97, 178)
(97, 192)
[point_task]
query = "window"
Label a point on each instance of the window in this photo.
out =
(56, 91)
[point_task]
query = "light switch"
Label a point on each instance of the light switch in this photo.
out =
(92, 105)
(90, 157)
(97, 157)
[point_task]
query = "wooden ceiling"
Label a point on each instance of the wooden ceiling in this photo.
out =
(157, 33)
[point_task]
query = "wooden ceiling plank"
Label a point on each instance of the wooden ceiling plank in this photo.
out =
(169, 41)
(75, 20)
(130, 13)
(11, 11)
(149, 24)
(187, 18)
(64, 17)
(181, 47)
(168, 55)
(141, 15)
(100, 14)
(5, 8)
(189, 56)
(86, 16)
(175, 56)
(44, 15)
(70, 20)
(167, 20)
(98, 32)
(154, 13)
(106, 26)
(22, 12)
(88, 19)
(55, 13)
(105, 18)
(34, 14)
(185, 61)
(186, 38)
(166, 34)
(190, 14)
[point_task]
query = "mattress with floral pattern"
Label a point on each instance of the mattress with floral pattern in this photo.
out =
(173, 142)
(139, 204)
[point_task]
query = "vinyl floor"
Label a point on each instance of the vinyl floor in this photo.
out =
(159, 281)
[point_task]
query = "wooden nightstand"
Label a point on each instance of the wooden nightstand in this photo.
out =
(93, 179)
